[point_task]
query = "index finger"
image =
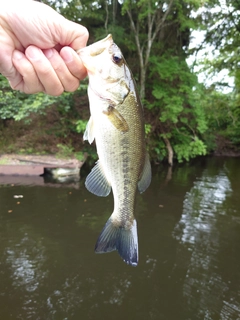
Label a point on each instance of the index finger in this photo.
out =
(77, 35)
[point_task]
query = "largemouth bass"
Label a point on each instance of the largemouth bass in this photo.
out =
(117, 125)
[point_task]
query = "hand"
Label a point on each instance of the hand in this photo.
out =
(38, 48)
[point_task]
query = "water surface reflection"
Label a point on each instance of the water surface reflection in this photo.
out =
(207, 232)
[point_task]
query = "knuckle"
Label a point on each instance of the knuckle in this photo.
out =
(72, 86)
(16, 86)
(45, 72)
(55, 92)
(58, 67)
(31, 90)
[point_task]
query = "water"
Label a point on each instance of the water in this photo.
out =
(189, 241)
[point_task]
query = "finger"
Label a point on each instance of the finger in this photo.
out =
(7, 68)
(73, 62)
(68, 80)
(44, 70)
(76, 35)
(27, 79)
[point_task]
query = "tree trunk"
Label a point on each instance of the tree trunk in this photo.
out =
(155, 22)
(170, 151)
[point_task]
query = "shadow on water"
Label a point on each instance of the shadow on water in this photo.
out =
(189, 242)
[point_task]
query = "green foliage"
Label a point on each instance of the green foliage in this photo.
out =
(178, 105)
(17, 105)
(81, 125)
(3, 161)
(223, 116)
(148, 128)
(179, 111)
(79, 155)
(67, 151)
(185, 151)
(220, 20)
(158, 150)
(223, 32)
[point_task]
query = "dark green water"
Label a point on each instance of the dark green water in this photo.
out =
(189, 247)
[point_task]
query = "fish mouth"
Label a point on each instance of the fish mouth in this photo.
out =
(93, 50)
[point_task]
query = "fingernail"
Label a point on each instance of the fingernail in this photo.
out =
(33, 53)
(67, 56)
(17, 55)
(48, 53)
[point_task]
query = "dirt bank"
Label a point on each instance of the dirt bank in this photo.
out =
(33, 165)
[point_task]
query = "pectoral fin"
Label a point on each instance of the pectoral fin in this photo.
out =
(89, 132)
(116, 119)
(146, 176)
(96, 182)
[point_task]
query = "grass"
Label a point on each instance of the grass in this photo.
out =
(3, 161)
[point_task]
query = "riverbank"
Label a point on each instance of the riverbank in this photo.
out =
(34, 165)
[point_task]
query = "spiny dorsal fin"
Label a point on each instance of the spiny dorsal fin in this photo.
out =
(96, 182)
(146, 176)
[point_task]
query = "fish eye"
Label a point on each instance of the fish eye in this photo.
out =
(117, 57)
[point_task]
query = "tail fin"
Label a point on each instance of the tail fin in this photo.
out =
(125, 241)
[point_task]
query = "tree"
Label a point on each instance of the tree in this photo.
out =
(222, 35)
(150, 17)
(177, 115)
(161, 32)
(154, 37)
